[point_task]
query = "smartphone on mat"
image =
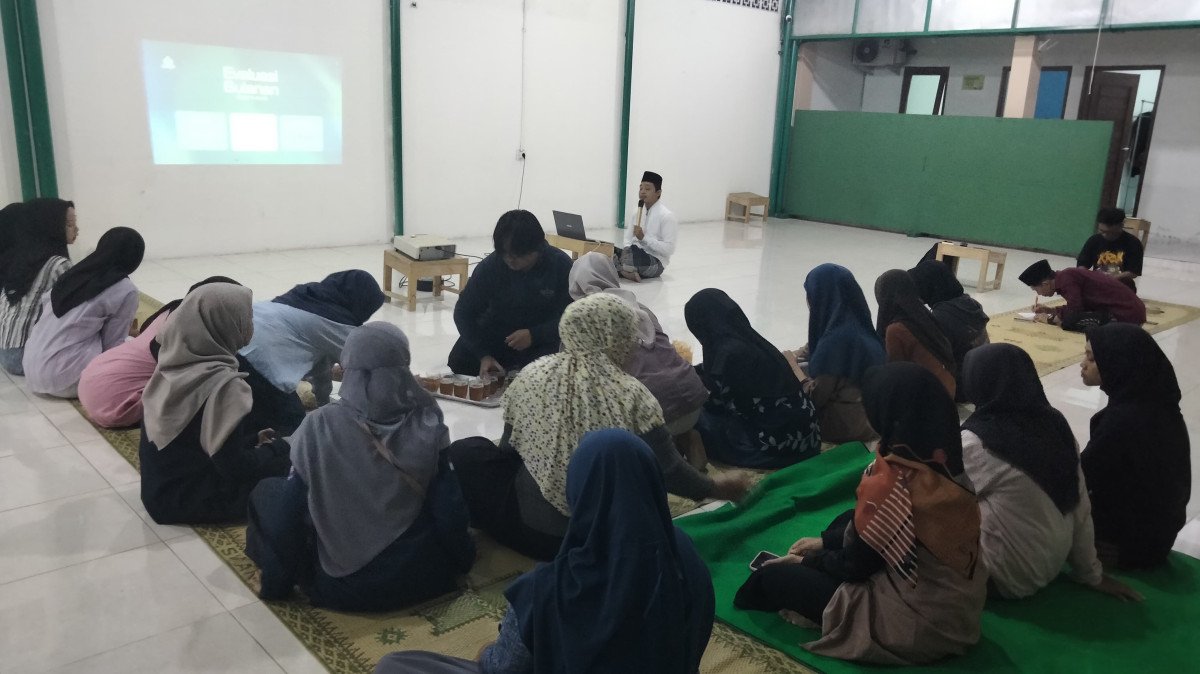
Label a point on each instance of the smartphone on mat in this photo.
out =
(762, 558)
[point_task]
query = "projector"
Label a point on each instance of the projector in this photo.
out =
(424, 247)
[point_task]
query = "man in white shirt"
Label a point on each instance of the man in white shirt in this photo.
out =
(648, 246)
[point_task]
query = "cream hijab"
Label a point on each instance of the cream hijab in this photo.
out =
(198, 368)
(595, 273)
(557, 399)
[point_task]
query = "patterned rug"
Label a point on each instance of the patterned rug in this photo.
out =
(1053, 348)
(457, 624)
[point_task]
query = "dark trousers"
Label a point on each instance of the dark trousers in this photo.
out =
(488, 477)
(463, 361)
(282, 542)
(646, 265)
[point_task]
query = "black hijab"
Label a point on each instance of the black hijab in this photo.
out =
(935, 282)
(35, 231)
(346, 297)
(1016, 422)
(1133, 368)
(914, 416)
(734, 353)
(899, 302)
(174, 304)
(118, 254)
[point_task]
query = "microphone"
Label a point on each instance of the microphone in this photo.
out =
(639, 215)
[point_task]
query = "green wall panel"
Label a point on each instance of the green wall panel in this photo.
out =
(1028, 183)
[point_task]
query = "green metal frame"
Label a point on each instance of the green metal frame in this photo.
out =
(31, 107)
(1013, 30)
(397, 121)
(789, 51)
(626, 92)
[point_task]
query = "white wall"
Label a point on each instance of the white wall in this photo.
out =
(703, 102)
(1169, 198)
(462, 95)
(837, 84)
(102, 146)
(10, 169)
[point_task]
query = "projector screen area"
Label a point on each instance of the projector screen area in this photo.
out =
(220, 105)
(224, 126)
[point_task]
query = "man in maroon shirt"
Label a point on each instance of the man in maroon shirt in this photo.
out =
(1093, 296)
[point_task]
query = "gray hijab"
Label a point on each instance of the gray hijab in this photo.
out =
(595, 273)
(198, 368)
(368, 459)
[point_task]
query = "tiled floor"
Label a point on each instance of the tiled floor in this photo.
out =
(89, 584)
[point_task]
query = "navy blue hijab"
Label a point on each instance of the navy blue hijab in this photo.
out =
(346, 297)
(627, 591)
(841, 339)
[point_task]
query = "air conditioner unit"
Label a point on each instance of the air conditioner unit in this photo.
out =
(880, 52)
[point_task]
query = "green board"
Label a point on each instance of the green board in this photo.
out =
(1027, 183)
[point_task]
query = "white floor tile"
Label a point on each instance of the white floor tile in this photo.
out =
(59, 617)
(112, 466)
(132, 495)
(28, 432)
(13, 400)
(214, 573)
(28, 478)
(56, 534)
(73, 425)
(279, 641)
(216, 644)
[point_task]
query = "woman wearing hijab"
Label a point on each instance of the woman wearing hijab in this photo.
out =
(299, 336)
(757, 415)
(842, 345)
(1021, 456)
(33, 256)
(908, 330)
(111, 386)
(200, 457)
(1138, 460)
(627, 591)
(89, 311)
(371, 518)
(961, 318)
(655, 362)
(896, 580)
(517, 492)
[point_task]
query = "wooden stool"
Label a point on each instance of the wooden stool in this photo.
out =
(416, 269)
(1139, 228)
(577, 247)
(747, 200)
(983, 255)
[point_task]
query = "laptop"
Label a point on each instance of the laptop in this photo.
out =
(570, 226)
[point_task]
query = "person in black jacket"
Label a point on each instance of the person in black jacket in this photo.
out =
(507, 316)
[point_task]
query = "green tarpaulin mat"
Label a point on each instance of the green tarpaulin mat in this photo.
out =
(1064, 628)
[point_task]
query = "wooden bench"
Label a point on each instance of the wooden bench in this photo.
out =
(746, 200)
(1139, 228)
(577, 247)
(983, 255)
(418, 269)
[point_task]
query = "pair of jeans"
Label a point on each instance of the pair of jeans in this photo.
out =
(11, 360)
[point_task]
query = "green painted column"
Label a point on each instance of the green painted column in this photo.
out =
(31, 109)
(626, 90)
(789, 49)
(397, 120)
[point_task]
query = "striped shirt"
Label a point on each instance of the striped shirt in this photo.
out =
(16, 320)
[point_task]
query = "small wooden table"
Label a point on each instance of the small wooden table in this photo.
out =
(747, 200)
(983, 255)
(577, 247)
(1139, 228)
(417, 269)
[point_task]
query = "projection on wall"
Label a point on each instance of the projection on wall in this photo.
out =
(220, 105)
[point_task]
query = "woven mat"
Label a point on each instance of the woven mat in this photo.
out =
(1053, 348)
(457, 624)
